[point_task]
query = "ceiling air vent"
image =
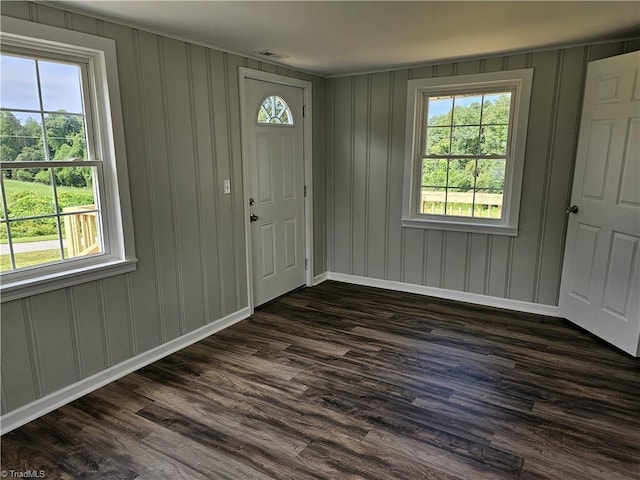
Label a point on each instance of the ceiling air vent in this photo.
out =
(272, 54)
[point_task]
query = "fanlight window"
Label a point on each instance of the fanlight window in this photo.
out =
(274, 110)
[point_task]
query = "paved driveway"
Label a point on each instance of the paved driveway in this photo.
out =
(30, 246)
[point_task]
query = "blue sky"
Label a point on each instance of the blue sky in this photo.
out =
(60, 85)
(442, 105)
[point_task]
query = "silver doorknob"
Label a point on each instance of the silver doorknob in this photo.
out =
(572, 209)
(253, 218)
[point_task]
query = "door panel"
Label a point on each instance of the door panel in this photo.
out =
(585, 248)
(601, 270)
(263, 165)
(276, 183)
(597, 158)
(630, 176)
(267, 249)
(619, 278)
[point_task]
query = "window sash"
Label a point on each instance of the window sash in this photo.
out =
(86, 87)
(87, 84)
(18, 274)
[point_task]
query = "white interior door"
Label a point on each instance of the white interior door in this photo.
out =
(276, 188)
(600, 275)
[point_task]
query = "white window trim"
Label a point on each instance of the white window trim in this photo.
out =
(107, 113)
(518, 81)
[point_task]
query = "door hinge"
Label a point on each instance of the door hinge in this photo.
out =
(306, 264)
(305, 191)
(304, 110)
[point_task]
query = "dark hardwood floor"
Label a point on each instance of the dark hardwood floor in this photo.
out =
(347, 382)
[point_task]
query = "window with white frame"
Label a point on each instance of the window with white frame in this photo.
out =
(274, 111)
(64, 200)
(465, 151)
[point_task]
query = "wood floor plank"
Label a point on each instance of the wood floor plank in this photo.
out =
(348, 382)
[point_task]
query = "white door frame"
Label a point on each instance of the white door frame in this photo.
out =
(245, 74)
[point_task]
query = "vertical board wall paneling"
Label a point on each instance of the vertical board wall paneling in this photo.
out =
(222, 157)
(525, 267)
(87, 326)
(377, 186)
(542, 123)
(342, 173)
(51, 320)
(143, 285)
(181, 120)
(360, 173)
(398, 100)
(207, 187)
(157, 173)
(319, 173)
(18, 364)
(560, 175)
(117, 321)
(186, 224)
(330, 178)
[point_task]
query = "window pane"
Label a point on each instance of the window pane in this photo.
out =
(33, 244)
(80, 220)
(274, 110)
(488, 204)
(440, 110)
(460, 202)
(66, 137)
(29, 193)
(18, 83)
(465, 140)
(438, 140)
(494, 140)
(496, 108)
(434, 172)
(5, 253)
(20, 137)
(61, 88)
(75, 186)
(491, 175)
(432, 201)
(467, 110)
(461, 174)
(81, 232)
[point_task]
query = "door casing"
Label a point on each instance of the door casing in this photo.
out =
(244, 74)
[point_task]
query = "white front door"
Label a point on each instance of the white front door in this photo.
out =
(601, 276)
(275, 176)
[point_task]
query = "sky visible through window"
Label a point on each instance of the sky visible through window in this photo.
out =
(60, 85)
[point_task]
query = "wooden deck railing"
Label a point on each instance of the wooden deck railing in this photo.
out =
(487, 205)
(81, 230)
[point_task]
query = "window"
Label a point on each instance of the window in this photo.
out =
(274, 110)
(64, 203)
(465, 144)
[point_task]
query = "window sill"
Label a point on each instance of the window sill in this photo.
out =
(25, 288)
(467, 227)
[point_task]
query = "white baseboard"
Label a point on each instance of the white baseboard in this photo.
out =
(318, 279)
(498, 302)
(46, 404)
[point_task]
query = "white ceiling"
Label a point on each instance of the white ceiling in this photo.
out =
(340, 37)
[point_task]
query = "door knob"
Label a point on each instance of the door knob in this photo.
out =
(253, 218)
(572, 209)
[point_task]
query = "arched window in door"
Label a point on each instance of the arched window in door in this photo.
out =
(275, 111)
